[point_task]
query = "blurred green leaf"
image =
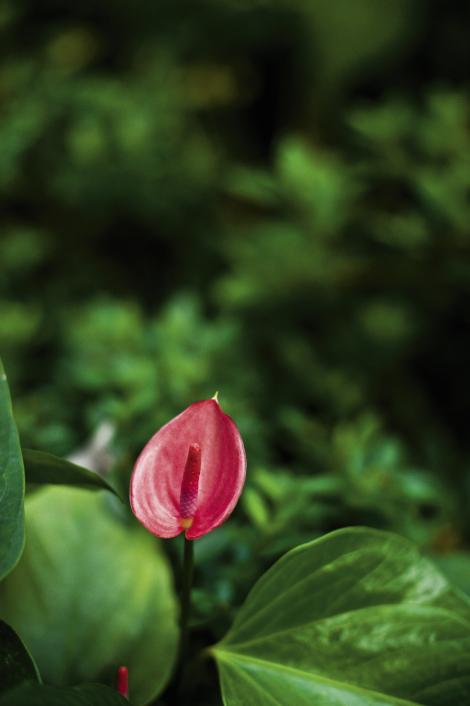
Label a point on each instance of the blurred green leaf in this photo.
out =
(110, 601)
(44, 468)
(11, 484)
(16, 664)
(317, 183)
(255, 507)
(253, 185)
(356, 617)
(456, 566)
(86, 695)
(378, 31)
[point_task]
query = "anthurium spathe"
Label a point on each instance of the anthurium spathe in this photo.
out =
(190, 474)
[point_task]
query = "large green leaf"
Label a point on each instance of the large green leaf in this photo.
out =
(16, 664)
(358, 618)
(91, 593)
(86, 695)
(44, 468)
(11, 484)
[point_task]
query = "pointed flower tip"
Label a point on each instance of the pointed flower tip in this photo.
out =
(216, 397)
(190, 474)
(123, 682)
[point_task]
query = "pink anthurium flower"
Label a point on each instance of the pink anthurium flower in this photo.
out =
(190, 474)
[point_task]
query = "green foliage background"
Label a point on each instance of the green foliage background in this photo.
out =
(268, 198)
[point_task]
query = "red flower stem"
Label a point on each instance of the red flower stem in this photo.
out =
(188, 564)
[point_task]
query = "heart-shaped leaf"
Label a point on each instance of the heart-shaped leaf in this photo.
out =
(86, 695)
(45, 468)
(91, 593)
(357, 617)
(16, 664)
(11, 484)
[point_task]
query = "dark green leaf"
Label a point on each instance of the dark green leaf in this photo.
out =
(16, 664)
(90, 594)
(358, 618)
(44, 468)
(86, 695)
(11, 484)
(456, 566)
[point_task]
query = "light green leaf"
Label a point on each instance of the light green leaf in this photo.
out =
(16, 664)
(357, 617)
(86, 695)
(11, 484)
(44, 468)
(91, 594)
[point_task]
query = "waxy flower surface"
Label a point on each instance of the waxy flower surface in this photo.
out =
(190, 474)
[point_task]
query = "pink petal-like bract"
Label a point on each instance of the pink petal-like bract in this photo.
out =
(190, 474)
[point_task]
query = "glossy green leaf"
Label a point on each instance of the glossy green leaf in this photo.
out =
(45, 468)
(16, 664)
(11, 484)
(357, 617)
(91, 593)
(86, 695)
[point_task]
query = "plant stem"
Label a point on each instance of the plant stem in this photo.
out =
(188, 564)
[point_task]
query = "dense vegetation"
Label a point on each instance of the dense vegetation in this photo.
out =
(265, 198)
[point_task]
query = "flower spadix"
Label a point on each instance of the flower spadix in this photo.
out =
(190, 474)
